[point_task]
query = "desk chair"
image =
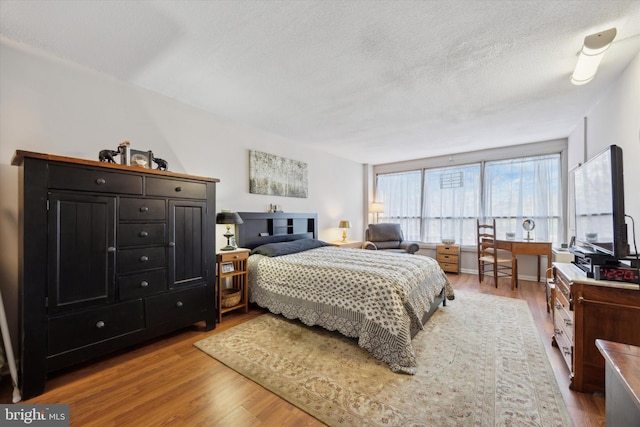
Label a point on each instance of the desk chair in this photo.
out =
(491, 259)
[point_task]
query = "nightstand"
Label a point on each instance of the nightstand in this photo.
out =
(348, 244)
(448, 256)
(232, 265)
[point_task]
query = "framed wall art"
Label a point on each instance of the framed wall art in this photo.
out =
(277, 176)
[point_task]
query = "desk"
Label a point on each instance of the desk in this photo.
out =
(622, 383)
(524, 247)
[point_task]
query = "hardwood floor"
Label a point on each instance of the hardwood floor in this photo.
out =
(170, 382)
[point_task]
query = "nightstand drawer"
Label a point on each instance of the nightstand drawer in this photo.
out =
(233, 256)
(449, 268)
(448, 249)
(447, 258)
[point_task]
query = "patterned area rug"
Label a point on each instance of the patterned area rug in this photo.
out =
(481, 363)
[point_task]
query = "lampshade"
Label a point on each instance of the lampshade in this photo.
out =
(376, 207)
(590, 56)
(344, 224)
(228, 217)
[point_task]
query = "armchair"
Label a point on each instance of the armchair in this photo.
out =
(388, 237)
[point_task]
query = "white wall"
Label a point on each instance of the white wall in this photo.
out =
(51, 106)
(615, 119)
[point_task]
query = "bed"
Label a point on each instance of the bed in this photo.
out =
(382, 299)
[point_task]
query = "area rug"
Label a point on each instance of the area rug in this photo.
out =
(480, 363)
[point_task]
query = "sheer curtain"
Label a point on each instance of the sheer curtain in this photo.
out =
(401, 195)
(522, 188)
(451, 203)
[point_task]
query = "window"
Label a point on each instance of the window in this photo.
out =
(444, 203)
(400, 193)
(451, 204)
(524, 188)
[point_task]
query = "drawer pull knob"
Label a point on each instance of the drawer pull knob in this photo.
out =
(144, 284)
(178, 189)
(101, 181)
(558, 305)
(171, 244)
(567, 322)
(111, 249)
(144, 258)
(144, 234)
(179, 304)
(144, 209)
(566, 350)
(557, 331)
(100, 324)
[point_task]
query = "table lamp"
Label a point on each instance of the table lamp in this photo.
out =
(344, 224)
(376, 208)
(227, 217)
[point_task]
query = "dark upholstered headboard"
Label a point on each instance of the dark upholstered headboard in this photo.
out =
(260, 228)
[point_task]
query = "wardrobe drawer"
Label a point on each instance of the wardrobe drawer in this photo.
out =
(131, 260)
(94, 180)
(182, 307)
(142, 209)
(141, 234)
(142, 284)
(80, 329)
(176, 188)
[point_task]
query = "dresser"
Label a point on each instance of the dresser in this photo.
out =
(110, 256)
(448, 256)
(584, 310)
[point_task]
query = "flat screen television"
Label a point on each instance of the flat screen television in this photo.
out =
(599, 205)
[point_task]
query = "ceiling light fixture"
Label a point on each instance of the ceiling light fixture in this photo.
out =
(590, 56)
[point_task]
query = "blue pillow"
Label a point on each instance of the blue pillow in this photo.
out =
(287, 248)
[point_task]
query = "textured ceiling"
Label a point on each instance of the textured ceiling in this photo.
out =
(372, 81)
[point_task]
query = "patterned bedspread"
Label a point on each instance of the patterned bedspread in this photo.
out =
(375, 296)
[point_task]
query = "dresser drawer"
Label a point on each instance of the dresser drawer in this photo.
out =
(80, 329)
(447, 249)
(141, 234)
(566, 349)
(94, 180)
(142, 284)
(142, 209)
(131, 260)
(563, 320)
(180, 307)
(176, 188)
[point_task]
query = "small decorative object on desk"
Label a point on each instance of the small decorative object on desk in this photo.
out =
(528, 225)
